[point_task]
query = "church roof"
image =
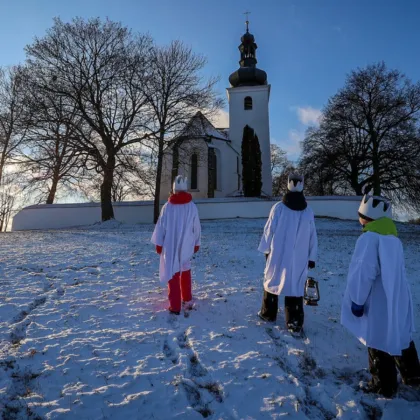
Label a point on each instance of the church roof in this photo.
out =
(200, 127)
(224, 131)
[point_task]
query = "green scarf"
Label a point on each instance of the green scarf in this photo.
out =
(383, 226)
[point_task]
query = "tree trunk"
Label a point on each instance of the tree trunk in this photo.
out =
(106, 189)
(376, 178)
(53, 189)
(7, 217)
(156, 205)
(355, 184)
(2, 162)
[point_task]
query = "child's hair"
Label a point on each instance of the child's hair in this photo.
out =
(362, 216)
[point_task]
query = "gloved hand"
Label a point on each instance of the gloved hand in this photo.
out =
(357, 310)
(158, 249)
(311, 265)
(196, 249)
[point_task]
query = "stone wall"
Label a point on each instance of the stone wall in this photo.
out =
(61, 216)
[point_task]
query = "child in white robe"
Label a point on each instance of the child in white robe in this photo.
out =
(377, 306)
(177, 237)
(290, 245)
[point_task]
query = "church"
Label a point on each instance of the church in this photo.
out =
(211, 156)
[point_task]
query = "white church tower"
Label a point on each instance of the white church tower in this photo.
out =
(248, 98)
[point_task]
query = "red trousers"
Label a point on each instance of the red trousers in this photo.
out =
(179, 289)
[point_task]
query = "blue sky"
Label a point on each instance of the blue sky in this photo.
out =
(306, 46)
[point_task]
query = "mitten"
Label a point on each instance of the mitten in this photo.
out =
(196, 248)
(357, 310)
(158, 249)
(311, 265)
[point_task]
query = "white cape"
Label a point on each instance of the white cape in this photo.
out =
(290, 239)
(377, 280)
(177, 231)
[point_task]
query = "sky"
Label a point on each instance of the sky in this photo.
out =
(307, 47)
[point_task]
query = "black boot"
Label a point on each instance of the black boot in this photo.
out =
(294, 314)
(409, 366)
(269, 307)
(384, 373)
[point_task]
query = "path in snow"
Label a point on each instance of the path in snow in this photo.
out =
(84, 331)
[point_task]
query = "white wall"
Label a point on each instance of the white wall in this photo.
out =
(226, 168)
(186, 150)
(257, 118)
(59, 216)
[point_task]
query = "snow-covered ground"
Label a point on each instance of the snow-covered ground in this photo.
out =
(84, 331)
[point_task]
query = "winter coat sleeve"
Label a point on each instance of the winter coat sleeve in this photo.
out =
(269, 229)
(364, 269)
(197, 229)
(313, 242)
(158, 236)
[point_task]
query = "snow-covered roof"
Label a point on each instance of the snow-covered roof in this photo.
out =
(224, 131)
(200, 127)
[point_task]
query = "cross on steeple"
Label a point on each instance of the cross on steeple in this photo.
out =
(247, 19)
(248, 74)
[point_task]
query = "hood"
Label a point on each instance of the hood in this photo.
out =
(295, 200)
(383, 226)
(181, 197)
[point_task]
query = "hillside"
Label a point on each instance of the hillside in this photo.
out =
(84, 331)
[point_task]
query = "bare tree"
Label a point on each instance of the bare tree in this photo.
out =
(334, 162)
(133, 179)
(278, 159)
(10, 198)
(280, 168)
(280, 181)
(97, 67)
(138, 170)
(12, 132)
(175, 92)
(369, 137)
(48, 156)
(7, 202)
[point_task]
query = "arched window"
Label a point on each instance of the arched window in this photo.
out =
(194, 171)
(248, 103)
(215, 172)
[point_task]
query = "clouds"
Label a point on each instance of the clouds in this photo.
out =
(309, 116)
(221, 119)
(291, 145)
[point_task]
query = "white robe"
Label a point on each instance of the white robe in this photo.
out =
(377, 280)
(177, 231)
(291, 241)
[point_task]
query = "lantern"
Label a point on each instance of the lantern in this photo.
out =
(311, 295)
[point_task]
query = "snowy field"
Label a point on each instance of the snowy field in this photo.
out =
(85, 334)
